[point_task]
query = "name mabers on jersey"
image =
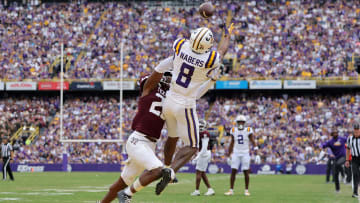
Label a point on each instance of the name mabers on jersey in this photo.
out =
(194, 61)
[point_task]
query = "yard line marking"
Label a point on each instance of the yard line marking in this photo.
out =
(9, 199)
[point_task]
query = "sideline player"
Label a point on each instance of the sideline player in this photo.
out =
(202, 160)
(140, 146)
(239, 147)
(337, 146)
(193, 65)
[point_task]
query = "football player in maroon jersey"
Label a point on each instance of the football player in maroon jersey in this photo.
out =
(140, 146)
(202, 160)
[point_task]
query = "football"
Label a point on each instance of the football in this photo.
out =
(206, 10)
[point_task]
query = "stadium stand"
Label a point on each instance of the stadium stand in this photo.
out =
(273, 40)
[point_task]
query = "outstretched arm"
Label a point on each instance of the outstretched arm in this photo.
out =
(156, 75)
(224, 44)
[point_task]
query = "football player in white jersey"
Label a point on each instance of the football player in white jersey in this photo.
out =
(239, 148)
(194, 64)
(202, 160)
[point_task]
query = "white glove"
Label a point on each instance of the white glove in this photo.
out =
(216, 73)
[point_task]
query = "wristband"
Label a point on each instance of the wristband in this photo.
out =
(347, 160)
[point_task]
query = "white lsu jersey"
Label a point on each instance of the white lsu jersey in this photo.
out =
(189, 71)
(241, 140)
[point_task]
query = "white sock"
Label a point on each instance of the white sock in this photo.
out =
(210, 188)
(128, 191)
(231, 190)
(196, 190)
(246, 190)
(137, 185)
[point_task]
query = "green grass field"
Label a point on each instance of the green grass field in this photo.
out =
(88, 187)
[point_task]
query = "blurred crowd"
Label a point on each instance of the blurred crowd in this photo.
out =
(287, 38)
(288, 129)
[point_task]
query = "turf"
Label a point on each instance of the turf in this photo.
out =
(88, 187)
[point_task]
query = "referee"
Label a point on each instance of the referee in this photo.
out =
(7, 155)
(353, 146)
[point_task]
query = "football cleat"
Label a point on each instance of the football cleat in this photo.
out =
(228, 193)
(123, 197)
(195, 193)
(355, 195)
(167, 174)
(247, 193)
(210, 192)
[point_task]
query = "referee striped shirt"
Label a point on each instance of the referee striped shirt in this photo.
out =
(353, 143)
(6, 150)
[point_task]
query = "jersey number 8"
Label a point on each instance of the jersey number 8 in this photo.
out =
(186, 71)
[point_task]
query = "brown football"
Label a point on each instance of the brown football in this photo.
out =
(206, 10)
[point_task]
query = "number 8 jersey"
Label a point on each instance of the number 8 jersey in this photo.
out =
(190, 71)
(241, 140)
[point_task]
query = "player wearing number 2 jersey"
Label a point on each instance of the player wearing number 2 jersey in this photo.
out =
(239, 147)
(194, 64)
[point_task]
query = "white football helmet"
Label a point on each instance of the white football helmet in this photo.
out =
(202, 125)
(240, 118)
(202, 39)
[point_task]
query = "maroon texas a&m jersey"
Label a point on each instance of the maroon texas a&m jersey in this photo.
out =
(147, 119)
(202, 135)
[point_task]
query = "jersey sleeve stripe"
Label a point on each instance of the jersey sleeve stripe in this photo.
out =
(195, 127)
(176, 43)
(178, 46)
(188, 127)
(210, 60)
(213, 60)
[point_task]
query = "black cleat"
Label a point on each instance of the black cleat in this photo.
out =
(355, 195)
(123, 197)
(166, 178)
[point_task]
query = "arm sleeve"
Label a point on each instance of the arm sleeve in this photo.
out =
(164, 65)
(205, 143)
(204, 88)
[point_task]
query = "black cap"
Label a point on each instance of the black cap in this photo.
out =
(356, 126)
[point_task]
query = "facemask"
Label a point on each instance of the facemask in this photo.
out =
(241, 126)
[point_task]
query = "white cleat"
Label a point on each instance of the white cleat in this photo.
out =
(228, 193)
(247, 193)
(210, 192)
(195, 193)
